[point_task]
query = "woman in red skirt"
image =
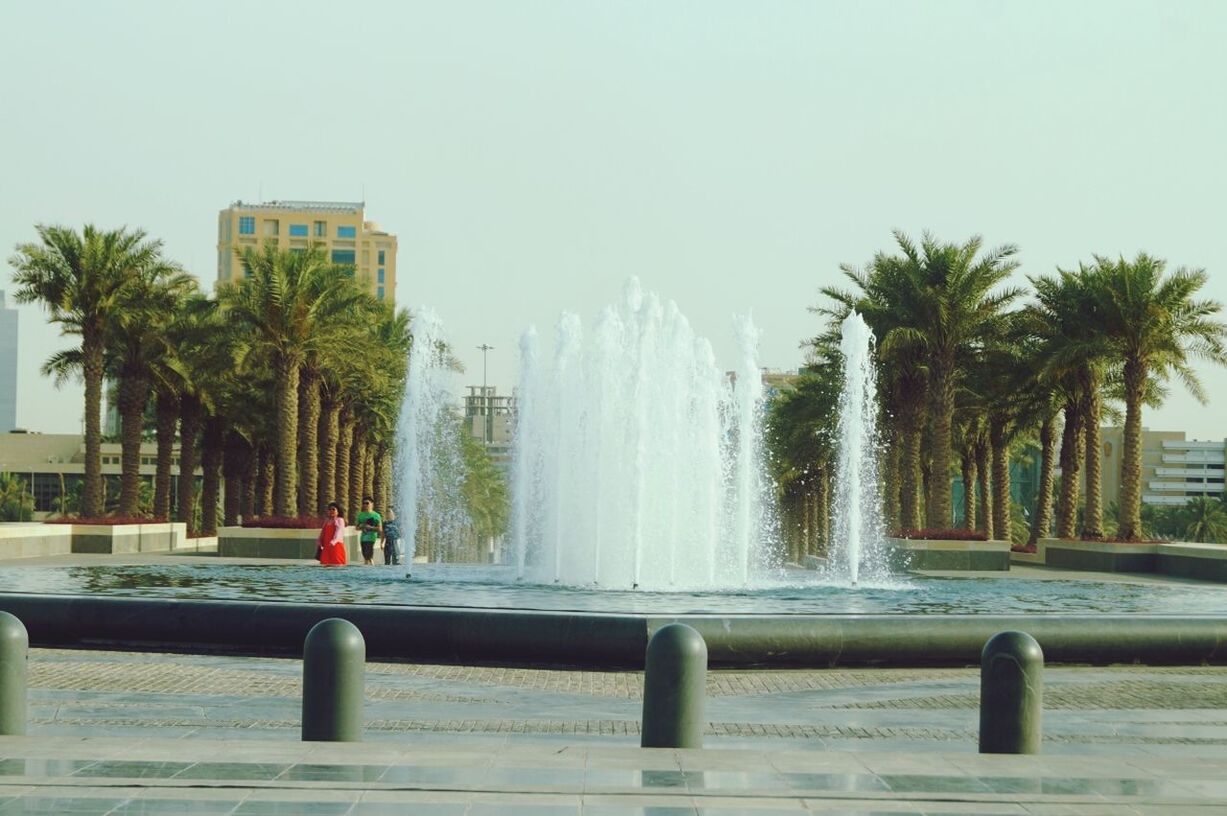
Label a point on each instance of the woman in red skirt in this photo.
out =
(331, 548)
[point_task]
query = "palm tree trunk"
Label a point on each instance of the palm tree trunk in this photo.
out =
(941, 416)
(133, 397)
(92, 372)
(167, 408)
(1071, 464)
(345, 440)
(1131, 460)
(234, 471)
(386, 498)
(211, 461)
(1042, 517)
(805, 513)
(190, 415)
(1092, 518)
(357, 461)
(379, 483)
(984, 478)
(1002, 523)
(891, 459)
(308, 442)
(265, 481)
(248, 504)
(968, 461)
(912, 518)
(285, 498)
(369, 464)
(824, 508)
(328, 443)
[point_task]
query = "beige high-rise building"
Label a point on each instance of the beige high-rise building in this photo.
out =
(1174, 469)
(341, 227)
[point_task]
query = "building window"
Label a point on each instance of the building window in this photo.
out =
(347, 232)
(343, 256)
(381, 260)
(379, 279)
(379, 293)
(321, 229)
(247, 225)
(298, 230)
(272, 227)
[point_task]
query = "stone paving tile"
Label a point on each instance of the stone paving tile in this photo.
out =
(257, 677)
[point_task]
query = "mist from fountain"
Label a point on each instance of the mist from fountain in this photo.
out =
(637, 462)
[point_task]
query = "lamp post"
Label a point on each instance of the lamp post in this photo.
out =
(485, 399)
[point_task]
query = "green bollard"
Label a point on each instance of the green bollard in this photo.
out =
(14, 651)
(1011, 694)
(333, 680)
(674, 685)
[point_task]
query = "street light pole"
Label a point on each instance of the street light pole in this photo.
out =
(485, 398)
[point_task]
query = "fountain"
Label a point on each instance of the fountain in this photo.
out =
(638, 461)
(637, 467)
(858, 535)
(429, 469)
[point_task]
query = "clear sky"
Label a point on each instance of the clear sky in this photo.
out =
(532, 155)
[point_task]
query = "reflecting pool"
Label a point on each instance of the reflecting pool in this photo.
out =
(795, 592)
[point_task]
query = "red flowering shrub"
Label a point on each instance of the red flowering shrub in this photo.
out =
(1023, 548)
(285, 523)
(948, 535)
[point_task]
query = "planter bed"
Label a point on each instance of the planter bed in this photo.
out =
(278, 542)
(915, 554)
(1101, 556)
(128, 538)
(1205, 562)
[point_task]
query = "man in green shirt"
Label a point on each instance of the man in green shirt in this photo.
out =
(370, 526)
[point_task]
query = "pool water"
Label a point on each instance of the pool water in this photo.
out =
(794, 592)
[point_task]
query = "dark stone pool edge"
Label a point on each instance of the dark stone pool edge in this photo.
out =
(597, 640)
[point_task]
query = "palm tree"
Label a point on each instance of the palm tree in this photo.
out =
(288, 301)
(947, 303)
(484, 492)
(800, 426)
(1078, 357)
(16, 501)
(1205, 520)
(137, 341)
(904, 379)
(82, 278)
(1155, 326)
(953, 307)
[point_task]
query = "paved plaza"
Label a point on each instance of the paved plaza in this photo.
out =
(123, 732)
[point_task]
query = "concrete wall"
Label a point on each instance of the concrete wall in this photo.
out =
(32, 540)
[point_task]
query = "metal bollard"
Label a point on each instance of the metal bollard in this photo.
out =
(14, 651)
(674, 685)
(333, 680)
(1011, 694)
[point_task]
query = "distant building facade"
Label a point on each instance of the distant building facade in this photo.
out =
(53, 465)
(340, 227)
(1174, 469)
(8, 366)
(491, 418)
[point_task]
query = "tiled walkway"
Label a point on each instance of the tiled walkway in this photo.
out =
(128, 733)
(145, 733)
(1124, 710)
(123, 776)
